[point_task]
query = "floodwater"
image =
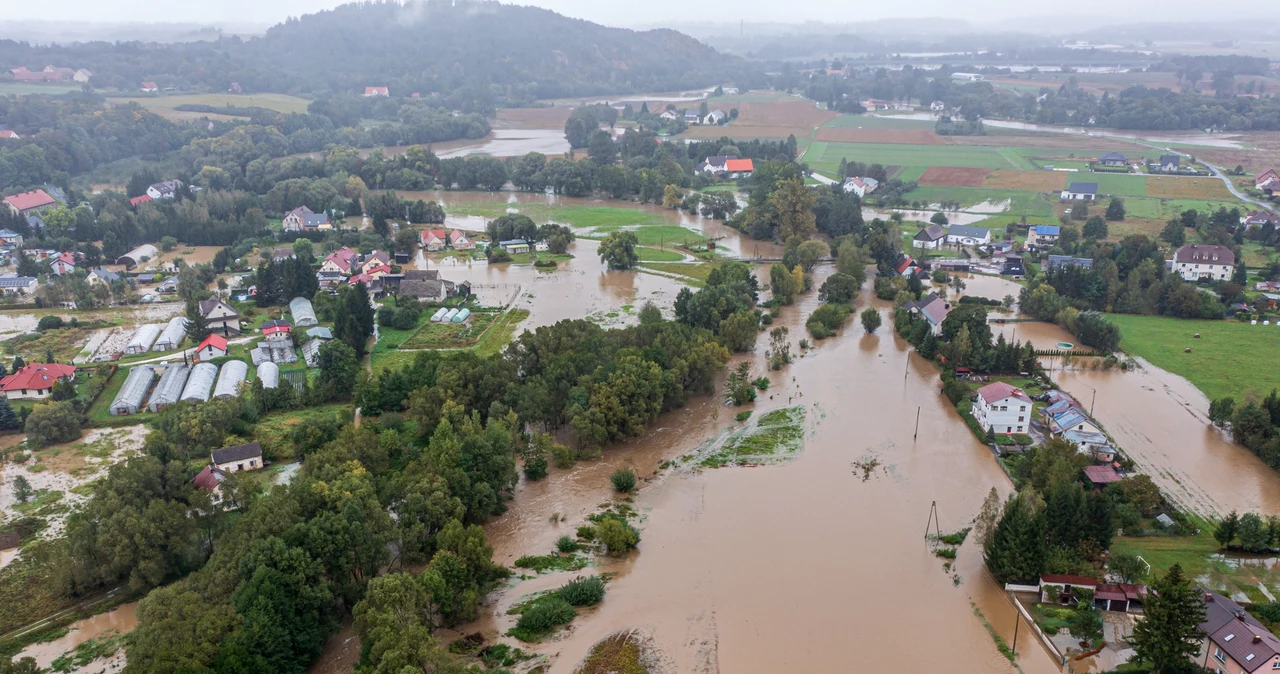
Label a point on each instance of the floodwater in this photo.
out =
(7, 556)
(1227, 141)
(967, 216)
(120, 620)
(17, 324)
(507, 143)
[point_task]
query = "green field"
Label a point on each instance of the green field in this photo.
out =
(1223, 362)
(277, 102)
(1116, 184)
(25, 88)
(828, 155)
(585, 217)
(1021, 202)
(658, 255)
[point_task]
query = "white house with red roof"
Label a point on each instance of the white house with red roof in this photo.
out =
(63, 264)
(458, 240)
(374, 260)
(149, 87)
(739, 168)
(1002, 408)
(9, 134)
(861, 186)
(213, 346)
(28, 203)
(35, 381)
(339, 261)
(277, 330)
(376, 91)
(433, 239)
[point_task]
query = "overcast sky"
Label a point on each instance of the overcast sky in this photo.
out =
(616, 13)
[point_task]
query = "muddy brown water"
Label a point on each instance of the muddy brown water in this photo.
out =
(120, 620)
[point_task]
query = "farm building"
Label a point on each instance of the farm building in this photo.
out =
(135, 388)
(200, 382)
(303, 314)
(172, 335)
(143, 338)
(462, 316)
(138, 255)
(229, 379)
(170, 387)
(269, 375)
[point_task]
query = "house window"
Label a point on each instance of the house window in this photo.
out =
(1008, 429)
(252, 463)
(1219, 655)
(239, 466)
(1021, 418)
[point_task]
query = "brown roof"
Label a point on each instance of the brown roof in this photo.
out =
(1101, 474)
(1199, 253)
(1251, 646)
(212, 303)
(1000, 390)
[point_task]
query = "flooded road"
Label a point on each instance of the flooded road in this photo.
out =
(118, 620)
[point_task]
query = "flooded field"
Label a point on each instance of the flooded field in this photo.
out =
(507, 143)
(118, 620)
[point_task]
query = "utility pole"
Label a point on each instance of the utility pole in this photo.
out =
(1017, 622)
(917, 433)
(1091, 401)
(932, 520)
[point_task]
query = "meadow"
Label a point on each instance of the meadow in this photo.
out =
(164, 105)
(1219, 360)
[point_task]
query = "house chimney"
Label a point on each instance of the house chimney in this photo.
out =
(1257, 638)
(1208, 597)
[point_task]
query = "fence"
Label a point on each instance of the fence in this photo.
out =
(1026, 615)
(1074, 354)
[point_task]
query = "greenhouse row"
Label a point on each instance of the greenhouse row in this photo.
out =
(143, 338)
(172, 335)
(181, 382)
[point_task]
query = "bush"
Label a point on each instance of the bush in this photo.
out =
(49, 323)
(582, 591)
(536, 468)
(826, 319)
(587, 532)
(618, 536)
(742, 416)
(870, 320)
(623, 480)
(51, 423)
(544, 616)
(566, 545)
(761, 383)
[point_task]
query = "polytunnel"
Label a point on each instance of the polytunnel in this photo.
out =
(439, 314)
(233, 374)
(448, 318)
(169, 390)
(303, 314)
(172, 335)
(143, 338)
(199, 382)
(462, 316)
(135, 388)
(269, 374)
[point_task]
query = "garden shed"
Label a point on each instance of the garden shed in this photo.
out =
(172, 335)
(200, 382)
(170, 387)
(135, 388)
(232, 375)
(269, 375)
(303, 314)
(143, 338)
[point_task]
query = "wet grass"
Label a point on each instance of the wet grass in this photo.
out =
(698, 272)
(450, 335)
(779, 431)
(648, 254)
(621, 653)
(88, 651)
(552, 562)
(652, 235)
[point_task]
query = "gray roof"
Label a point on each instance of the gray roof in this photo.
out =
(1056, 261)
(320, 332)
(1113, 156)
(302, 312)
(129, 399)
(1083, 188)
(172, 335)
(17, 281)
(143, 338)
(212, 303)
(422, 289)
(200, 382)
(229, 379)
(170, 387)
(105, 274)
(251, 450)
(269, 375)
(966, 230)
(1166, 159)
(421, 274)
(931, 233)
(1205, 254)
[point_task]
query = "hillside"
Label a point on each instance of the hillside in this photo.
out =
(471, 51)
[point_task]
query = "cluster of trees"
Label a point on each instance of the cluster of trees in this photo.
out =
(278, 282)
(725, 306)
(653, 121)
(1254, 533)
(1254, 424)
(1041, 301)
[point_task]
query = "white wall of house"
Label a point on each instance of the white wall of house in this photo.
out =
(209, 353)
(1191, 271)
(252, 463)
(1008, 415)
(28, 394)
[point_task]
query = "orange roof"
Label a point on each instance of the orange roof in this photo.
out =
(29, 200)
(734, 165)
(216, 341)
(140, 200)
(38, 376)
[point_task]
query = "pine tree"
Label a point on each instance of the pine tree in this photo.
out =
(9, 420)
(197, 324)
(1101, 515)
(929, 347)
(1064, 514)
(1016, 553)
(1169, 635)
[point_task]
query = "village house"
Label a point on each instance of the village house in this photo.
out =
(929, 238)
(1113, 159)
(965, 235)
(64, 263)
(277, 330)
(458, 240)
(906, 266)
(1259, 218)
(12, 284)
(149, 88)
(739, 168)
(164, 190)
(1043, 236)
(1234, 641)
(669, 115)
(376, 91)
(861, 186)
(1002, 408)
(1268, 181)
(714, 165)
(691, 117)
(221, 316)
(514, 246)
(433, 239)
(1071, 418)
(937, 106)
(304, 219)
(426, 285)
(29, 203)
(339, 261)
(1080, 192)
(715, 117)
(1196, 262)
(1168, 163)
(103, 276)
(933, 309)
(10, 239)
(1095, 445)
(237, 458)
(1101, 476)
(1058, 261)
(375, 259)
(213, 346)
(9, 134)
(35, 381)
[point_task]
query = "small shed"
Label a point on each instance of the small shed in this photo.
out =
(303, 314)
(135, 388)
(172, 335)
(200, 382)
(143, 338)
(462, 316)
(320, 333)
(232, 375)
(169, 390)
(269, 375)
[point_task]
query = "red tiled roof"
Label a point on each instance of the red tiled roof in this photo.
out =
(380, 268)
(1000, 390)
(374, 90)
(140, 200)
(739, 165)
(1101, 474)
(1110, 592)
(216, 341)
(456, 234)
(7, 133)
(28, 200)
(37, 376)
(206, 480)
(438, 233)
(359, 278)
(149, 85)
(902, 266)
(1062, 579)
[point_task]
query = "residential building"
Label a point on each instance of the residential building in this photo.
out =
(715, 117)
(1259, 218)
(1197, 262)
(715, 164)
(1113, 159)
(458, 240)
(10, 239)
(906, 266)
(514, 246)
(1123, 598)
(669, 115)
(1168, 163)
(149, 88)
(1058, 261)
(933, 309)
(376, 91)
(65, 263)
(277, 330)
(1101, 476)
(433, 239)
(1002, 408)
(1080, 192)
(213, 346)
(237, 458)
(1096, 445)
(142, 199)
(1234, 641)
(1063, 587)
(35, 381)
(426, 285)
(1268, 181)
(692, 117)
(929, 238)
(1043, 236)
(1073, 419)
(861, 186)
(9, 134)
(221, 316)
(164, 190)
(340, 261)
(374, 260)
(965, 235)
(18, 285)
(305, 219)
(937, 106)
(739, 168)
(29, 203)
(967, 77)
(81, 76)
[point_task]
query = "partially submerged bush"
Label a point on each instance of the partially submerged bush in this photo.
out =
(583, 591)
(623, 479)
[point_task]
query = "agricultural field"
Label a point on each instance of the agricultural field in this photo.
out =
(27, 88)
(763, 119)
(164, 105)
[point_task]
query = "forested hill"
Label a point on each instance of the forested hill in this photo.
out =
(474, 54)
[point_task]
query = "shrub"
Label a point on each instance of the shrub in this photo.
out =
(587, 532)
(761, 383)
(535, 468)
(566, 545)
(623, 480)
(543, 617)
(618, 536)
(826, 319)
(49, 323)
(582, 591)
(743, 415)
(870, 320)
(947, 553)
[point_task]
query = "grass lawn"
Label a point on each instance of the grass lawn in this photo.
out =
(586, 217)
(277, 102)
(496, 333)
(1162, 552)
(1223, 362)
(699, 271)
(1021, 202)
(24, 88)
(274, 429)
(450, 335)
(654, 235)
(658, 255)
(829, 154)
(1115, 184)
(100, 412)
